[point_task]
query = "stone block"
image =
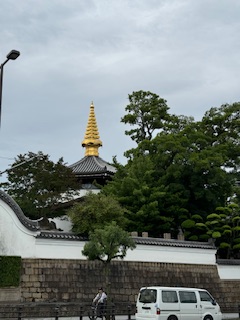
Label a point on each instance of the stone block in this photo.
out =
(10, 294)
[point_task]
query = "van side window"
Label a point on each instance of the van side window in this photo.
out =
(204, 296)
(187, 297)
(169, 296)
(148, 296)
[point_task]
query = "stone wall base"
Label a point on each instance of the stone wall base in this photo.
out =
(10, 294)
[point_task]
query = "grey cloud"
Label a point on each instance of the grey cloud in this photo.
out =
(76, 51)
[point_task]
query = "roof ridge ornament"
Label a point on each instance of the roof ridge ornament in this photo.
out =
(91, 141)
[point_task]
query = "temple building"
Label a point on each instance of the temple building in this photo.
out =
(92, 171)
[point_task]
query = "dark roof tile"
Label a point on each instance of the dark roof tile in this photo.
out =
(92, 165)
(173, 243)
(28, 223)
(229, 262)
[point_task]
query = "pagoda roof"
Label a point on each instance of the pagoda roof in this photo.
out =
(91, 141)
(92, 165)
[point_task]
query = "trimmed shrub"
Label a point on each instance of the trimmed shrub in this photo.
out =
(10, 271)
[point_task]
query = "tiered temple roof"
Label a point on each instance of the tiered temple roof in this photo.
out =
(92, 167)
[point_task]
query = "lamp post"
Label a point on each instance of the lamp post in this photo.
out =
(12, 55)
(23, 162)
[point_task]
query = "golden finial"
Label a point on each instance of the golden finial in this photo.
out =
(91, 140)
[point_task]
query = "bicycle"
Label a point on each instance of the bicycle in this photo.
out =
(97, 311)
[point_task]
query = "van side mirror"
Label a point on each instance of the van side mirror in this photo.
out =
(214, 302)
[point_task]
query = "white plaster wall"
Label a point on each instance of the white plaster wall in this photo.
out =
(15, 239)
(229, 272)
(166, 254)
(63, 249)
(59, 249)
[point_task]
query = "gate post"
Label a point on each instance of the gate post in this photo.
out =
(19, 312)
(56, 312)
(129, 312)
(81, 313)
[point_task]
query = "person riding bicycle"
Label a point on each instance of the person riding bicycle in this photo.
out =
(100, 301)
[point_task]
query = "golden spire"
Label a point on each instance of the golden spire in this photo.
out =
(91, 139)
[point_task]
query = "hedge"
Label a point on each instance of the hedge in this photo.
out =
(10, 271)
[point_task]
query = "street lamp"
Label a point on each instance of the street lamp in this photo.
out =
(35, 156)
(12, 55)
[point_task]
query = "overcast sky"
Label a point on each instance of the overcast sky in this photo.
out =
(74, 52)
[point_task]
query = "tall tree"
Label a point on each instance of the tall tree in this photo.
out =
(147, 112)
(106, 244)
(181, 172)
(40, 187)
(94, 211)
(138, 190)
(187, 162)
(222, 125)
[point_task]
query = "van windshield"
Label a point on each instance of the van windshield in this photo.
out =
(205, 296)
(148, 295)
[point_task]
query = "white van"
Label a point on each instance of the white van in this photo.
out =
(176, 303)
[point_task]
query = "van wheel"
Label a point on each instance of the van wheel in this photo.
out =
(208, 318)
(172, 318)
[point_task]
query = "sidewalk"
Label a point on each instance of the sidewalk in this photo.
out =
(229, 316)
(117, 317)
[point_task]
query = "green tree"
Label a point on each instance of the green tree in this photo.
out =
(223, 226)
(140, 193)
(222, 125)
(181, 172)
(190, 168)
(214, 163)
(169, 179)
(41, 187)
(236, 196)
(146, 112)
(108, 243)
(94, 211)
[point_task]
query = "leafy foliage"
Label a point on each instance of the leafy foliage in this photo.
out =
(223, 226)
(40, 187)
(182, 173)
(188, 224)
(10, 274)
(147, 112)
(95, 211)
(108, 243)
(136, 189)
